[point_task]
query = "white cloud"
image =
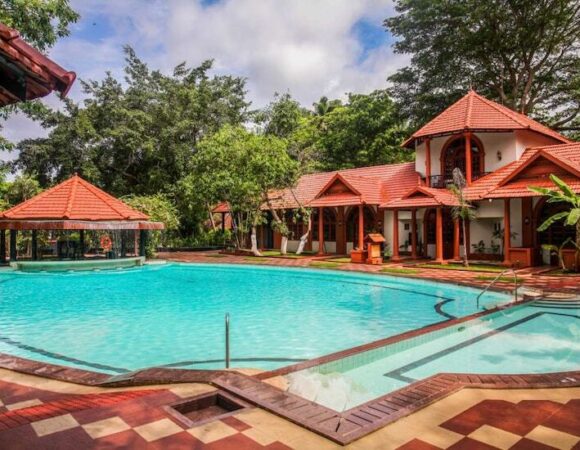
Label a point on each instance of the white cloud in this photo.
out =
(307, 47)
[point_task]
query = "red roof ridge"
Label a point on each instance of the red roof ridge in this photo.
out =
(73, 193)
(469, 108)
(106, 198)
(511, 114)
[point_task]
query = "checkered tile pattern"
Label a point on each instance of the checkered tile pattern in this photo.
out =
(498, 424)
(36, 419)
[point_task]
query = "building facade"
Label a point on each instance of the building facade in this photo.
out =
(499, 151)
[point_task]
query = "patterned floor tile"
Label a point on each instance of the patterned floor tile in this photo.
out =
(555, 438)
(417, 444)
(212, 431)
(157, 430)
(495, 437)
(54, 425)
(23, 404)
(566, 419)
(106, 427)
(471, 444)
(528, 444)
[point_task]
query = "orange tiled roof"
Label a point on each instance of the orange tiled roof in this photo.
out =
(42, 75)
(423, 197)
(73, 199)
(476, 113)
(503, 183)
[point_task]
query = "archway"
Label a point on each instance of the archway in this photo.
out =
(369, 218)
(453, 155)
(430, 221)
(329, 225)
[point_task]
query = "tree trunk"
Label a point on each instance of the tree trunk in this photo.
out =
(254, 240)
(465, 249)
(284, 245)
(304, 238)
(213, 227)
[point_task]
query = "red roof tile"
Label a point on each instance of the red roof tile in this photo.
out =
(504, 183)
(476, 113)
(42, 75)
(73, 199)
(421, 197)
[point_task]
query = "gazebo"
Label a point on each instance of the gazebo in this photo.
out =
(77, 206)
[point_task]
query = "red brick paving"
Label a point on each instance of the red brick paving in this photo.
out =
(531, 277)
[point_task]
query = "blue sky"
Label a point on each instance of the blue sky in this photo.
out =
(309, 48)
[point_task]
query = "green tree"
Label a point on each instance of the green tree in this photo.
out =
(521, 53)
(40, 22)
(241, 168)
(364, 132)
(159, 208)
(23, 188)
(463, 211)
(323, 106)
(138, 137)
(564, 194)
(281, 117)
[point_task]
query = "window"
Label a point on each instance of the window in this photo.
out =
(453, 155)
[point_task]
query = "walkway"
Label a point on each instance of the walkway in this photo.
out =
(531, 278)
(37, 413)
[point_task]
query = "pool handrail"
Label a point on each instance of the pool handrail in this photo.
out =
(497, 278)
(227, 320)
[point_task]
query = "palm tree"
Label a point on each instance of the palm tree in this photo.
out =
(463, 211)
(572, 217)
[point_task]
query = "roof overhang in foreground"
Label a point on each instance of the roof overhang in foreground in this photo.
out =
(79, 225)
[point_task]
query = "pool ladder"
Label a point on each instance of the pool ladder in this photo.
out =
(227, 323)
(497, 278)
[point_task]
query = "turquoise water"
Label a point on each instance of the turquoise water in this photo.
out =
(116, 321)
(539, 338)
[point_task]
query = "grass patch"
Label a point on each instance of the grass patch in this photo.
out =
(343, 259)
(471, 268)
(277, 254)
(504, 279)
(255, 260)
(399, 270)
(217, 255)
(324, 264)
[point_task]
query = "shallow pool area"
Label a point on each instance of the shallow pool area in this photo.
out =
(173, 315)
(542, 337)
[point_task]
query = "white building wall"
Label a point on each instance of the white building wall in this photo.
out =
(526, 139)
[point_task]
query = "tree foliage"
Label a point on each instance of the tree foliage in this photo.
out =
(524, 54)
(40, 22)
(240, 168)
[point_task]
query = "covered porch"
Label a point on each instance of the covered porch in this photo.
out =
(73, 221)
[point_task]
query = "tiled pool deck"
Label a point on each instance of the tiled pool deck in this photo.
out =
(531, 278)
(41, 407)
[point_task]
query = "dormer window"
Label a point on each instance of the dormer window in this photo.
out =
(453, 155)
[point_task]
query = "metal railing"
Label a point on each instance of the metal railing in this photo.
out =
(497, 278)
(443, 181)
(227, 320)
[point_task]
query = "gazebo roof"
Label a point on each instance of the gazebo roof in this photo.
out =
(25, 73)
(476, 113)
(74, 204)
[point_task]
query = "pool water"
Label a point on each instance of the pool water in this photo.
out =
(539, 338)
(123, 320)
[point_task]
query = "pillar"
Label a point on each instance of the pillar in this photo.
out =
(321, 231)
(223, 222)
(468, 166)
(123, 244)
(34, 245)
(456, 236)
(395, 256)
(414, 234)
(2, 246)
(439, 235)
(506, 232)
(428, 161)
(82, 243)
(142, 242)
(340, 231)
(13, 254)
(361, 227)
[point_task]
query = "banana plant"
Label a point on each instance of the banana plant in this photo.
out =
(564, 194)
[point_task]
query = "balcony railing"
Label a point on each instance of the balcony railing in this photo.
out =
(443, 182)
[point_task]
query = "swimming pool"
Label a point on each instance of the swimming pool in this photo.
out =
(541, 337)
(173, 315)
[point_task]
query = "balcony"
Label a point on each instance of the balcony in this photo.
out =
(444, 182)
